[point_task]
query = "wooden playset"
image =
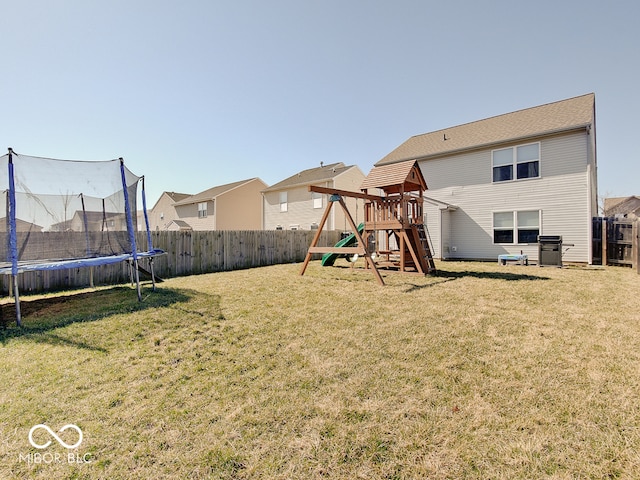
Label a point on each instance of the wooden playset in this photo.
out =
(394, 234)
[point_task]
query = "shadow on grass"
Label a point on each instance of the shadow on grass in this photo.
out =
(509, 276)
(448, 276)
(42, 315)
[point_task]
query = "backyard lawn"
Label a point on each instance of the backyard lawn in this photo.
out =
(481, 371)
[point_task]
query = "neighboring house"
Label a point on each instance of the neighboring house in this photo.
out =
(21, 226)
(628, 207)
(163, 212)
(179, 226)
(494, 185)
(234, 206)
(92, 222)
(289, 205)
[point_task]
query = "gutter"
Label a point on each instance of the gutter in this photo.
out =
(443, 205)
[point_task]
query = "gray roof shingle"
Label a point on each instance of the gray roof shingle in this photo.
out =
(395, 175)
(311, 175)
(565, 115)
(211, 193)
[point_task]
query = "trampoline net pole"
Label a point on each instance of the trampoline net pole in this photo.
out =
(16, 297)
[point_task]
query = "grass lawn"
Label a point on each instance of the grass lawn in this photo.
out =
(482, 371)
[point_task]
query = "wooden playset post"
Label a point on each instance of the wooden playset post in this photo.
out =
(361, 249)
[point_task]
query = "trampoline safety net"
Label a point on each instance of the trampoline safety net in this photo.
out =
(65, 210)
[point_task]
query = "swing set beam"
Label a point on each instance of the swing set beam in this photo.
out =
(336, 197)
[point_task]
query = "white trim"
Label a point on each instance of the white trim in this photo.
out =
(514, 163)
(515, 228)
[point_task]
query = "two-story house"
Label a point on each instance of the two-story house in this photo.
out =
(289, 205)
(233, 206)
(163, 213)
(496, 184)
(626, 207)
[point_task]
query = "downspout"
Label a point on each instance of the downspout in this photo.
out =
(591, 190)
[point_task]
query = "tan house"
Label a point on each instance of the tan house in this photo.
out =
(234, 206)
(628, 207)
(289, 205)
(163, 212)
(21, 226)
(496, 184)
(92, 222)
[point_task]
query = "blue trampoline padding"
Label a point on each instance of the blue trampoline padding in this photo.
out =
(77, 262)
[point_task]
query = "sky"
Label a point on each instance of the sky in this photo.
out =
(199, 93)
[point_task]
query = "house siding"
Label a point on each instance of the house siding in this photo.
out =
(241, 207)
(350, 181)
(237, 207)
(164, 207)
(562, 193)
(300, 211)
(189, 214)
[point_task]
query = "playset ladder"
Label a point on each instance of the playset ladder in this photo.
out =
(424, 250)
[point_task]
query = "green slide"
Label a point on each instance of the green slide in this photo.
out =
(328, 259)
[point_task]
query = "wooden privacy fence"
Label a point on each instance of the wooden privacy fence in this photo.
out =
(188, 253)
(616, 241)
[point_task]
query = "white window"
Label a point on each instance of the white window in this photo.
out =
(528, 226)
(516, 163)
(503, 227)
(202, 210)
(317, 199)
(283, 201)
(516, 227)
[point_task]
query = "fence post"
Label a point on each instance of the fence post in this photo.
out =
(605, 237)
(636, 244)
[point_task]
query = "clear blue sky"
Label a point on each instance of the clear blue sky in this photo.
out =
(199, 93)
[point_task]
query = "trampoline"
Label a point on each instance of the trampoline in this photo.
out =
(63, 214)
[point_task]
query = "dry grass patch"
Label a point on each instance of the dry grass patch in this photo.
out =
(479, 372)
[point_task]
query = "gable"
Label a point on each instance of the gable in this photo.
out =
(392, 178)
(212, 193)
(563, 116)
(179, 225)
(312, 175)
(621, 206)
(169, 198)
